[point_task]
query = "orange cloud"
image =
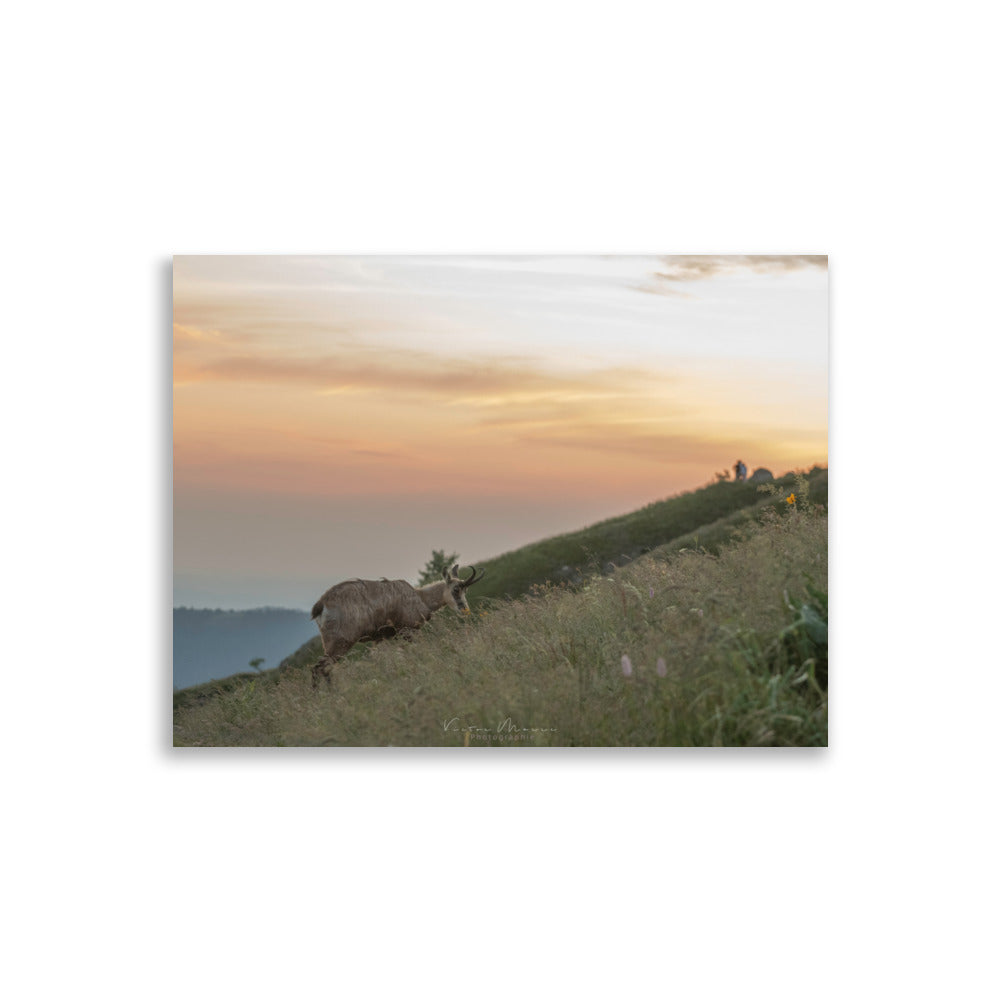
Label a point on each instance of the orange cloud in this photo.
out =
(491, 382)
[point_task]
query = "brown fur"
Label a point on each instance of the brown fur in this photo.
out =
(360, 610)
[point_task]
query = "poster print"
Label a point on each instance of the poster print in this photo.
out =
(500, 501)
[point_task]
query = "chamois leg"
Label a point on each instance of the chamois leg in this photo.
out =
(334, 648)
(322, 667)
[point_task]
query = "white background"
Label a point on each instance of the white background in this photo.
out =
(134, 132)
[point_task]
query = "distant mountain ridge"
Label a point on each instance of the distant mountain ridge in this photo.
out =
(210, 644)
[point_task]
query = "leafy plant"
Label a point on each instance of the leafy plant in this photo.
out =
(806, 639)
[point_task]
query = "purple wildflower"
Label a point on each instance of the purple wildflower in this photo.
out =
(626, 665)
(661, 667)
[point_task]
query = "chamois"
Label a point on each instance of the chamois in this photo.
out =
(358, 610)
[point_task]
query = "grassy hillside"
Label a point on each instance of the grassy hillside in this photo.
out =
(704, 518)
(681, 647)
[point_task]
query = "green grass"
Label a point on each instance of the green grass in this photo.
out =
(706, 518)
(739, 632)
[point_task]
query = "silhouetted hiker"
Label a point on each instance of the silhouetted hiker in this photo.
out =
(741, 471)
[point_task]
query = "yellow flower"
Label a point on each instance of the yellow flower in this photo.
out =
(791, 499)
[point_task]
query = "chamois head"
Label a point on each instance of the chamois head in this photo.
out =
(456, 587)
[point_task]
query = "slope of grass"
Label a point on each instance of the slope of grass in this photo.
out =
(711, 537)
(693, 519)
(723, 649)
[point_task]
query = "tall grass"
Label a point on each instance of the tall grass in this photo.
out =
(680, 648)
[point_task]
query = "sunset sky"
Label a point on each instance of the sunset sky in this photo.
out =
(343, 416)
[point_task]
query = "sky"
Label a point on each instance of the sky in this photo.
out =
(340, 417)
